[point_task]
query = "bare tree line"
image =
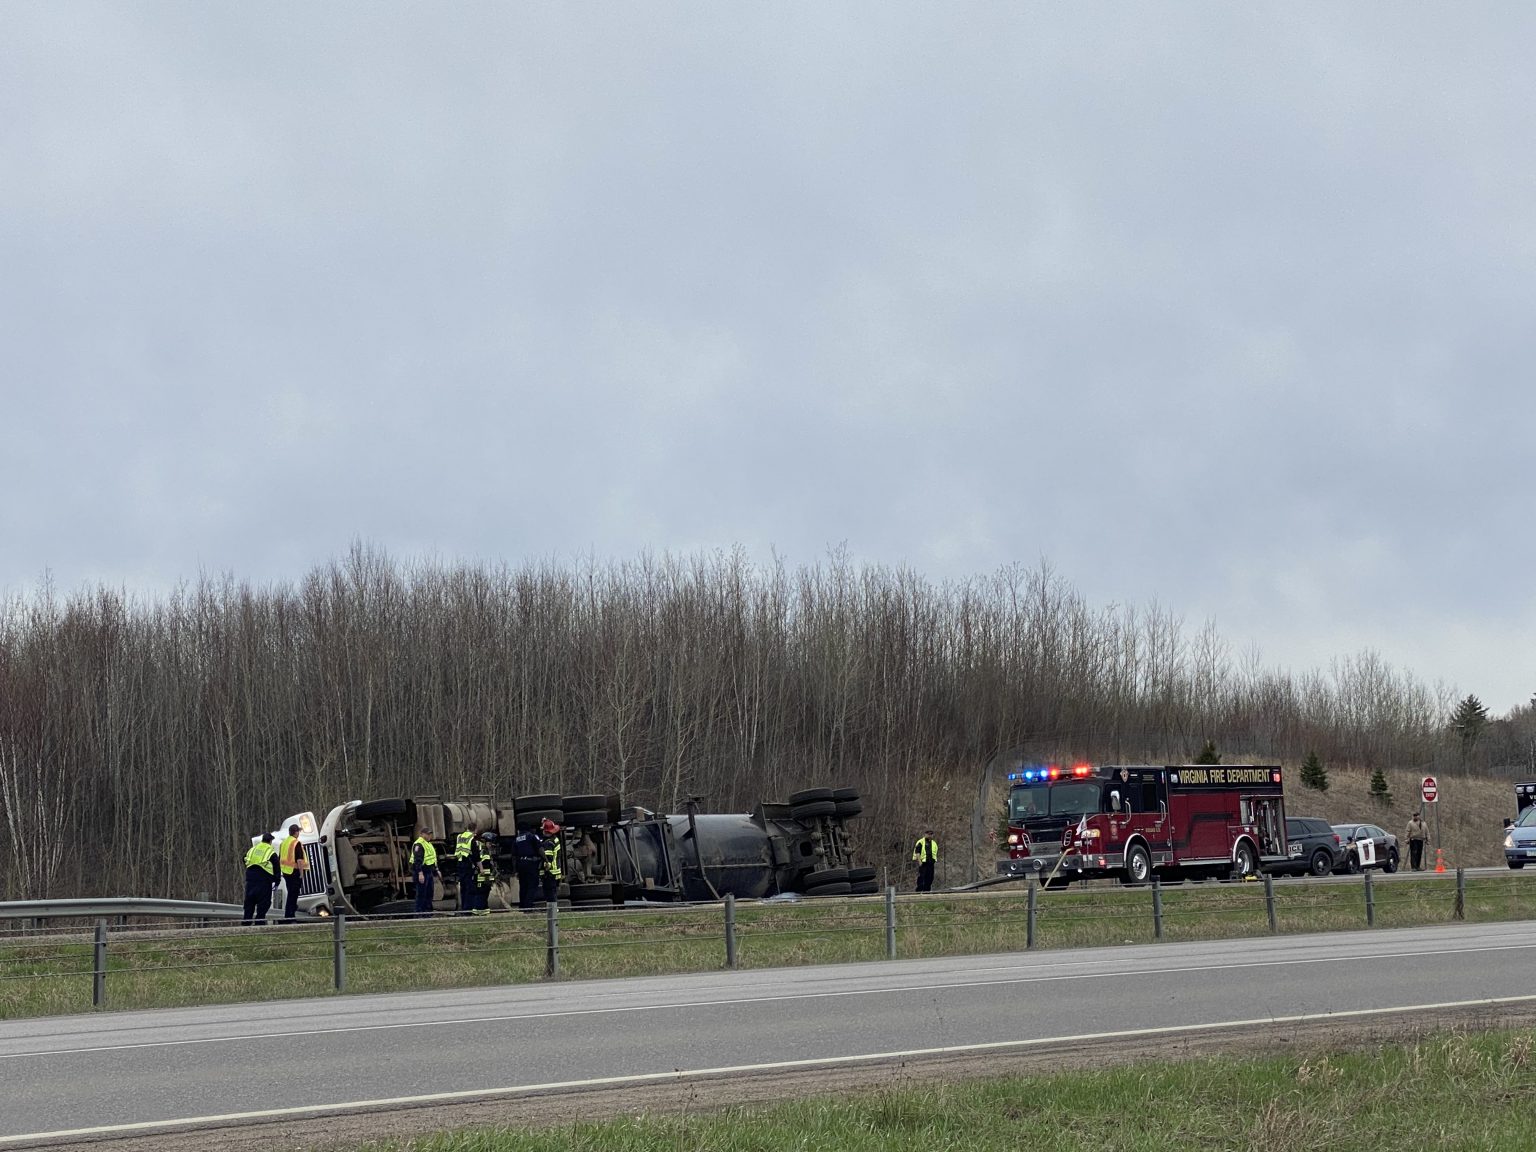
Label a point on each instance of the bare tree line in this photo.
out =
(142, 742)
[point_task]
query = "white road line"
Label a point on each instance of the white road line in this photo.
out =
(738, 1069)
(456, 1022)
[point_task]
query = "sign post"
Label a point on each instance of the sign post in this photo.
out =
(1429, 792)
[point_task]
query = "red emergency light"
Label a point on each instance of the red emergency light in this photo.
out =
(1082, 769)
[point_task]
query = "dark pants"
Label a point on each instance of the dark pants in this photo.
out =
(466, 887)
(293, 882)
(483, 896)
(258, 897)
(925, 876)
(527, 883)
(1416, 854)
(425, 891)
(551, 888)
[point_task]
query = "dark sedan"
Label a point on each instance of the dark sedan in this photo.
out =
(1366, 846)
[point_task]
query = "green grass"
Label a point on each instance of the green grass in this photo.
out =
(49, 973)
(1447, 1092)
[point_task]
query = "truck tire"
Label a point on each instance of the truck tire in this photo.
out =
(824, 876)
(601, 893)
(1243, 860)
(844, 794)
(840, 888)
(615, 807)
(810, 795)
(550, 800)
(588, 803)
(1138, 865)
(866, 888)
(862, 874)
(373, 809)
(533, 817)
(847, 809)
(814, 809)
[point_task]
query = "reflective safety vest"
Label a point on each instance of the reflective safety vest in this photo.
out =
(463, 845)
(428, 853)
(552, 859)
(290, 855)
(485, 869)
(926, 850)
(262, 855)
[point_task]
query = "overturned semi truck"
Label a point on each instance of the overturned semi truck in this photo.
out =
(359, 854)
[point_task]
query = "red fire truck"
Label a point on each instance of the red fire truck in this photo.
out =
(1134, 821)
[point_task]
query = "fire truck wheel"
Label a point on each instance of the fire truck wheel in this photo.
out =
(1243, 862)
(807, 795)
(585, 804)
(1391, 864)
(825, 876)
(1138, 865)
(847, 808)
(860, 875)
(533, 817)
(841, 794)
(1321, 863)
(373, 809)
(814, 809)
(545, 801)
(841, 888)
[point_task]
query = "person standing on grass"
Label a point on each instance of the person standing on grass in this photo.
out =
(485, 874)
(552, 868)
(464, 857)
(292, 861)
(528, 852)
(424, 870)
(1417, 832)
(926, 853)
(260, 879)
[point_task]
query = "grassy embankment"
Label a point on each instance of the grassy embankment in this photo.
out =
(1450, 1092)
(49, 973)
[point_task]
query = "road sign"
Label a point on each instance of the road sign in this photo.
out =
(1430, 790)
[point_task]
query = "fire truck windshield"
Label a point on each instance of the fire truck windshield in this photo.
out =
(1064, 798)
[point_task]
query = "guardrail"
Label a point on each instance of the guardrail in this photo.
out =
(90, 908)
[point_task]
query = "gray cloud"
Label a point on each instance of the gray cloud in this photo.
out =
(1229, 306)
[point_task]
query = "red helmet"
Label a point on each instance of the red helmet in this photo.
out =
(549, 827)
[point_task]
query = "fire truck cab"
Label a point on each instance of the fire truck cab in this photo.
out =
(1136, 821)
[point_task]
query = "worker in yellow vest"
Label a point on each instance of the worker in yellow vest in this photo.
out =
(926, 853)
(424, 870)
(485, 873)
(464, 856)
(260, 879)
(552, 866)
(293, 863)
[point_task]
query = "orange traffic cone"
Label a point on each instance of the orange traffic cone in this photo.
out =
(1439, 860)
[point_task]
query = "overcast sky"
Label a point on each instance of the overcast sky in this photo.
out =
(1229, 305)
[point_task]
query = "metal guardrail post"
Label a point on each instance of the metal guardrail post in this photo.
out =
(552, 939)
(1269, 901)
(1460, 911)
(730, 930)
(890, 922)
(1370, 901)
(99, 966)
(339, 951)
(1031, 910)
(1157, 909)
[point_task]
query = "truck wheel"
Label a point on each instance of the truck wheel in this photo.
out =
(844, 794)
(615, 807)
(814, 809)
(860, 875)
(847, 809)
(825, 876)
(589, 803)
(808, 795)
(533, 817)
(373, 809)
(601, 893)
(1138, 865)
(840, 888)
(550, 800)
(585, 819)
(866, 888)
(1243, 862)
(1321, 863)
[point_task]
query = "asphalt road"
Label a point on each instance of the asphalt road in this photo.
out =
(124, 1071)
